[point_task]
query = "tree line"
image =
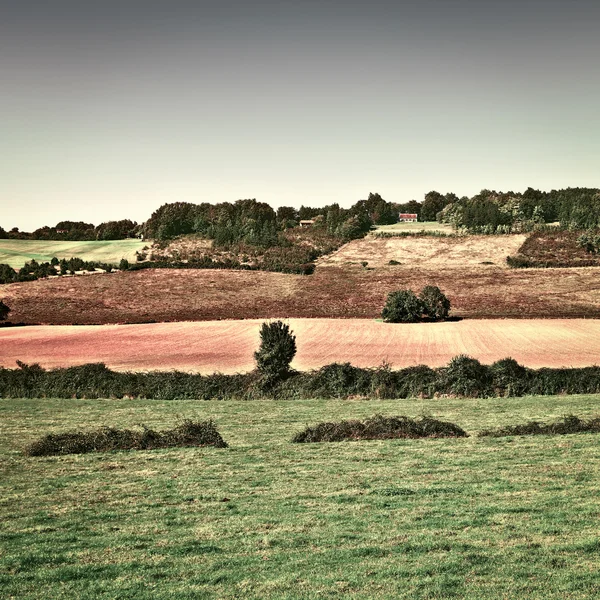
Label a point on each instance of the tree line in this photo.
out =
(77, 231)
(258, 224)
(490, 211)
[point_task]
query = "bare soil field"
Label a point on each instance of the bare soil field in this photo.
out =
(228, 346)
(339, 288)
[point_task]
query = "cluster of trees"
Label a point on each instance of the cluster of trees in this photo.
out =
(404, 306)
(257, 224)
(506, 212)
(77, 231)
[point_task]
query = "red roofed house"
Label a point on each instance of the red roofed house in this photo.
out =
(407, 217)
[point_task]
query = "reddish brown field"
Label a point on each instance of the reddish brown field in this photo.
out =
(338, 292)
(228, 346)
(470, 270)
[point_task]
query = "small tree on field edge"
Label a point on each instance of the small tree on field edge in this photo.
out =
(402, 306)
(4, 310)
(276, 351)
(435, 303)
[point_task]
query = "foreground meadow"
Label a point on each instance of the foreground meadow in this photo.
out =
(467, 518)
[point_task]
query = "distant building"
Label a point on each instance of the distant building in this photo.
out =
(307, 223)
(407, 217)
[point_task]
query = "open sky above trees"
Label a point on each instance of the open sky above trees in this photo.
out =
(112, 109)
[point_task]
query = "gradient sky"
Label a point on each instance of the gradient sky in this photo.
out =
(110, 109)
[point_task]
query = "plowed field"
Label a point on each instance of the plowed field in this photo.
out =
(228, 346)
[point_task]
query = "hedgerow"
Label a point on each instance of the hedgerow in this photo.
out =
(107, 439)
(379, 428)
(569, 424)
(463, 376)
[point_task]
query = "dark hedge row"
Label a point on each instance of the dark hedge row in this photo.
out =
(569, 424)
(463, 376)
(379, 428)
(106, 439)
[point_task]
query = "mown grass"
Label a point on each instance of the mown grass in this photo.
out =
(16, 252)
(512, 517)
(418, 226)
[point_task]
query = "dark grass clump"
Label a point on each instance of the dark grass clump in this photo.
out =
(379, 428)
(569, 424)
(107, 439)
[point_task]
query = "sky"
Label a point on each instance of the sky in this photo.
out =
(110, 109)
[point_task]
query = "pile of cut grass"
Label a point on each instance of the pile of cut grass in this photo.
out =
(569, 424)
(106, 439)
(379, 427)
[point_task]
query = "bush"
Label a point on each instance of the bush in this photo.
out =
(509, 377)
(379, 428)
(277, 349)
(414, 382)
(7, 274)
(435, 303)
(107, 439)
(339, 380)
(569, 424)
(402, 306)
(466, 376)
(123, 264)
(4, 310)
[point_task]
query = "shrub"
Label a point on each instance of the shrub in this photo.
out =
(7, 274)
(414, 382)
(339, 380)
(509, 377)
(4, 310)
(466, 376)
(402, 306)
(435, 303)
(106, 439)
(123, 264)
(569, 424)
(379, 428)
(277, 349)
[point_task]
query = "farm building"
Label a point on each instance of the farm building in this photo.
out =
(407, 217)
(307, 222)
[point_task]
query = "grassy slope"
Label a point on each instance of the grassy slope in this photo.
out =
(419, 226)
(17, 252)
(474, 518)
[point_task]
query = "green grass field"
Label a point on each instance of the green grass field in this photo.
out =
(425, 226)
(461, 518)
(16, 252)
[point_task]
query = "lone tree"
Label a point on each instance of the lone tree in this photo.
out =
(277, 349)
(4, 310)
(402, 306)
(435, 304)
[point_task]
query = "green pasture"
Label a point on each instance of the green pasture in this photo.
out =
(477, 518)
(424, 226)
(16, 252)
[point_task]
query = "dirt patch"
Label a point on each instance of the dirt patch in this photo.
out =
(228, 346)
